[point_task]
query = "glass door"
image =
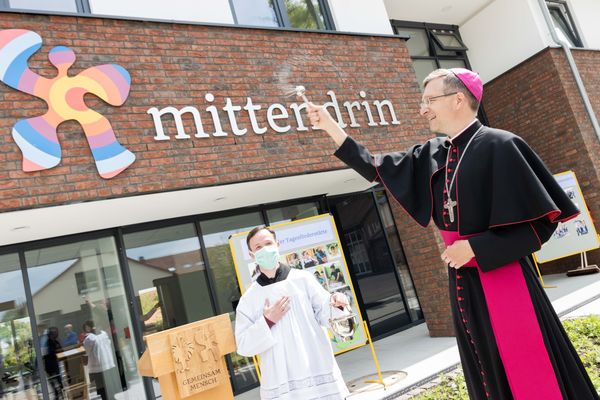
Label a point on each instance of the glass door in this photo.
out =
(169, 278)
(409, 291)
(371, 263)
(19, 377)
(83, 322)
(215, 236)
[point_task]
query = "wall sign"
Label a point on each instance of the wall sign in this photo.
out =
(36, 137)
(277, 116)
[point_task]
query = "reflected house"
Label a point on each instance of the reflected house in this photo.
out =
(76, 290)
(60, 301)
(170, 299)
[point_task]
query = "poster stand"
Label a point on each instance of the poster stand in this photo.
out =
(325, 226)
(576, 236)
(584, 268)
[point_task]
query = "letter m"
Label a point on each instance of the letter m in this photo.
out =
(177, 116)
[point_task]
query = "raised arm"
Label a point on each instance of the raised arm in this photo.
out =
(321, 119)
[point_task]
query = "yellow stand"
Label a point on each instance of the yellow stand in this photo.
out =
(256, 366)
(540, 274)
(374, 359)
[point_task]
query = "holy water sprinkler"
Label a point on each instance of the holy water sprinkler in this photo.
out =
(299, 91)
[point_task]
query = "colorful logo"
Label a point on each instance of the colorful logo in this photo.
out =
(36, 137)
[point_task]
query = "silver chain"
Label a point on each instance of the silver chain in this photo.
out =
(448, 188)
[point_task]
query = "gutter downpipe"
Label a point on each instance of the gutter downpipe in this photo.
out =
(573, 66)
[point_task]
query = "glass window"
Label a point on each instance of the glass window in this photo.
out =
(255, 12)
(87, 281)
(216, 234)
(448, 40)
(45, 5)
(18, 362)
(305, 14)
(433, 46)
(292, 213)
(418, 44)
(396, 248)
(452, 64)
(423, 68)
(369, 257)
(169, 278)
(77, 311)
(563, 22)
(300, 14)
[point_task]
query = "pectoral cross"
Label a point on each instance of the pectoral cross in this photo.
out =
(449, 205)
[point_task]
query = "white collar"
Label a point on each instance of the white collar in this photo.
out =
(464, 129)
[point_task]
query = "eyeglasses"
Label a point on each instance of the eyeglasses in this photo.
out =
(426, 102)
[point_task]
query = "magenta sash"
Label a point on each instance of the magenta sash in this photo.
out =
(516, 329)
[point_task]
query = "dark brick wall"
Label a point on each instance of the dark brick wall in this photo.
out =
(538, 100)
(176, 65)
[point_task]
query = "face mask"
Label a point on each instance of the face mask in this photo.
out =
(267, 257)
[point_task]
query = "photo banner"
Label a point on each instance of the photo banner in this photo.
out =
(574, 236)
(311, 245)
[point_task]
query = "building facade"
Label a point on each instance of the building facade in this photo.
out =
(138, 136)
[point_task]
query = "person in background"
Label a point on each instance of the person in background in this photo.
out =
(100, 361)
(70, 336)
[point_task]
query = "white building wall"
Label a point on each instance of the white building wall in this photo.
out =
(208, 11)
(349, 15)
(360, 16)
(587, 14)
(504, 34)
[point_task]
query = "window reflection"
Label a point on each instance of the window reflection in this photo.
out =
(18, 362)
(84, 326)
(305, 14)
(369, 256)
(396, 247)
(300, 14)
(46, 5)
(255, 12)
(292, 213)
(216, 234)
(168, 276)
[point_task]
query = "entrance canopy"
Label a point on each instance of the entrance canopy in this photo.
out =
(47, 222)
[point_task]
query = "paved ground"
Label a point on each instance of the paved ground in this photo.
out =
(423, 358)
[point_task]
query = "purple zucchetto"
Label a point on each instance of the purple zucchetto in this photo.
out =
(471, 80)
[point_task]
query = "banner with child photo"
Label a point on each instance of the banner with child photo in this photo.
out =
(310, 244)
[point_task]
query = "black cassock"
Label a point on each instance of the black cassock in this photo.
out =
(508, 203)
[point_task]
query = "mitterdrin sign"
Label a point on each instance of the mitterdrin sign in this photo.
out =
(379, 113)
